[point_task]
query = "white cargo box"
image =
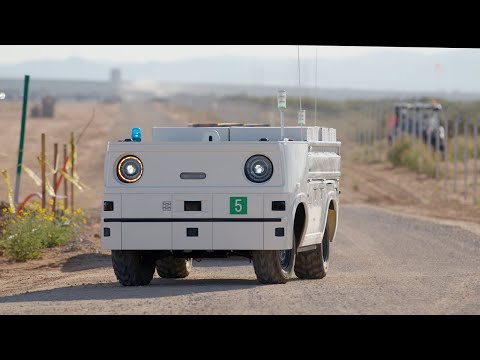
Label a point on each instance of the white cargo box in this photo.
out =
(323, 134)
(205, 134)
(190, 134)
(333, 134)
(327, 134)
(273, 133)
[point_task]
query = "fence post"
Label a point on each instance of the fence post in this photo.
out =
(437, 151)
(465, 156)
(414, 124)
(368, 142)
(374, 142)
(365, 139)
(65, 183)
(380, 123)
(429, 141)
(22, 139)
(394, 129)
(420, 135)
(380, 133)
(445, 153)
(475, 157)
(372, 139)
(55, 168)
(455, 155)
(44, 180)
(72, 170)
(385, 128)
(400, 125)
(380, 130)
(362, 144)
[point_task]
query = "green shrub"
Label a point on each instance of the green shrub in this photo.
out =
(20, 240)
(461, 145)
(24, 236)
(397, 153)
(404, 154)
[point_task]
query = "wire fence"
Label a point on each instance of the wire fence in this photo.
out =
(435, 145)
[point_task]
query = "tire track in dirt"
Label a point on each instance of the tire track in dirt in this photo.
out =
(381, 263)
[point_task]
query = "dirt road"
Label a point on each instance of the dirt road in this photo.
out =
(381, 263)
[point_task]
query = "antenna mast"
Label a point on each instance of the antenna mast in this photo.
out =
(299, 83)
(301, 113)
(282, 105)
(316, 91)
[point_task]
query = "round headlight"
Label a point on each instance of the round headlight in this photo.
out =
(258, 169)
(129, 169)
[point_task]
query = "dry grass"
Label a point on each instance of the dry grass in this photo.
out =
(69, 117)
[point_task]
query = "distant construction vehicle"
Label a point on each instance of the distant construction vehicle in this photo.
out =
(420, 119)
(46, 109)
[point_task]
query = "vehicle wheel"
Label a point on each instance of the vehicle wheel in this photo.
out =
(313, 264)
(133, 268)
(274, 266)
(174, 268)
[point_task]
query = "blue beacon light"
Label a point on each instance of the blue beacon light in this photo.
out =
(136, 134)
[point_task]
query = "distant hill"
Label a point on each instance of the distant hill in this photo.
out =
(457, 71)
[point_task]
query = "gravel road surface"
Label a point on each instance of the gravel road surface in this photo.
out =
(381, 263)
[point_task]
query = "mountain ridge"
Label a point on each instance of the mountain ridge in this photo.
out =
(450, 71)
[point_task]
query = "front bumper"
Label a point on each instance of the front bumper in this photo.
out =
(160, 222)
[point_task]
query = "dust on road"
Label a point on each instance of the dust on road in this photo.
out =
(381, 263)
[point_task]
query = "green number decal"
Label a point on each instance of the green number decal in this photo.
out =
(238, 205)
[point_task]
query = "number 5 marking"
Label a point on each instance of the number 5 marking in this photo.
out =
(238, 206)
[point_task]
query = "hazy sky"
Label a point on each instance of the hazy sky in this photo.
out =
(144, 53)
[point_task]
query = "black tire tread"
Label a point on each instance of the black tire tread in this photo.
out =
(132, 268)
(172, 268)
(267, 267)
(309, 265)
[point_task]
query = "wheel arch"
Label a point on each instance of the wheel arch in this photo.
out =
(331, 217)
(300, 218)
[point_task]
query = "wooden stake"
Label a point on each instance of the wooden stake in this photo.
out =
(44, 179)
(55, 166)
(65, 186)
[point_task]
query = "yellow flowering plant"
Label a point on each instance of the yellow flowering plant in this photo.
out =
(25, 235)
